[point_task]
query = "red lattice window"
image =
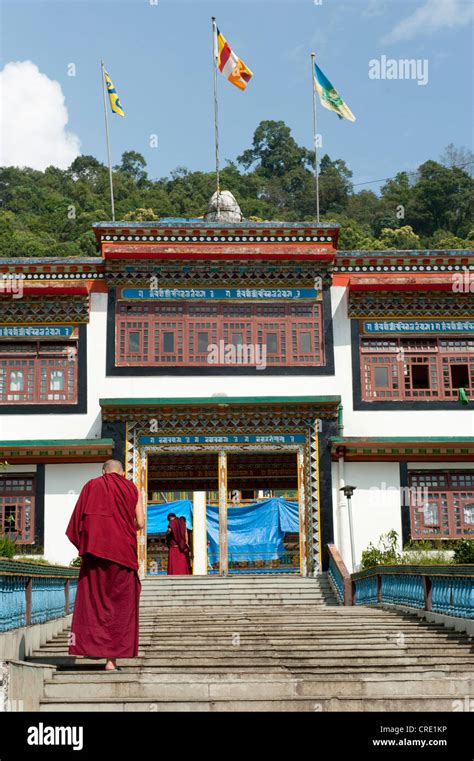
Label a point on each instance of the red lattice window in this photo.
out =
(416, 368)
(442, 504)
(17, 508)
(33, 372)
(203, 332)
(194, 333)
(168, 342)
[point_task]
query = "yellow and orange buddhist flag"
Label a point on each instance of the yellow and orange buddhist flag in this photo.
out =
(231, 66)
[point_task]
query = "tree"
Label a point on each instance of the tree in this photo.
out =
(274, 151)
(444, 240)
(441, 198)
(363, 207)
(400, 238)
(462, 157)
(86, 168)
(140, 215)
(50, 213)
(133, 164)
(354, 236)
(395, 198)
(334, 184)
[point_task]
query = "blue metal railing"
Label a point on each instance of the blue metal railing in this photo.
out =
(453, 595)
(12, 602)
(442, 589)
(32, 593)
(366, 592)
(445, 589)
(47, 600)
(405, 589)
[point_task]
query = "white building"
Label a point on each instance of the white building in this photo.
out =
(230, 362)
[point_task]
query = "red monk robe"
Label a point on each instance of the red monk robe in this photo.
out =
(102, 527)
(178, 548)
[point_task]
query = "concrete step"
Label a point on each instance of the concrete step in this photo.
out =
(219, 593)
(298, 651)
(307, 638)
(290, 579)
(103, 685)
(219, 588)
(412, 703)
(247, 662)
(321, 676)
(266, 645)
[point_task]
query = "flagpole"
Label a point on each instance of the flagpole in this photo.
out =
(108, 142)
(315, 133)
(216, 110)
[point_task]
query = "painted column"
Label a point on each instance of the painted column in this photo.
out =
(341, 500)
(199, 534)
(223, 539)
(143, 480)
(302, 512)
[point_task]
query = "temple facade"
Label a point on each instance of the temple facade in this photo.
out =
(245, 373)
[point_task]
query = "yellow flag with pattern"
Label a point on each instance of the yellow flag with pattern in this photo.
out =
(115, 104)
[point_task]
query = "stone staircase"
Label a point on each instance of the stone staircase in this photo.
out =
(266, 643)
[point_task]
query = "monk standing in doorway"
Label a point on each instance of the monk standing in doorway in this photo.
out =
(177, 539)
(103, 527)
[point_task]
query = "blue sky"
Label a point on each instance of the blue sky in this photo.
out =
(160, 60)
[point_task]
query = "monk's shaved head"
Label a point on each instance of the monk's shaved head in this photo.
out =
(112, 466)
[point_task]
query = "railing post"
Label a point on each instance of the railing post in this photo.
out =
(29, 600)
(379, 587)
(66, 597)
(352, 597)
(427, 592)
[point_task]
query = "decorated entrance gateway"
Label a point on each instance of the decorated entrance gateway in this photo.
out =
(244, 372)
(222, 456)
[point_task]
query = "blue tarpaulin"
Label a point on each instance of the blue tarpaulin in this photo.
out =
(255, 532)
(157, 522)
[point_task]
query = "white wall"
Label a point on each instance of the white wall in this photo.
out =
(375, 505)
(63, 484)
(459, 421)
(14, 468)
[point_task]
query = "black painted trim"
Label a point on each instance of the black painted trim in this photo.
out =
(326, 369)
(326, 518)
(60, 409)
(115, 430)
(405, 508)
(39, 507)
(411, 404)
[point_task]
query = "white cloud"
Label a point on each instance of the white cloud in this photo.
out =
(33, 118)
(432, 16)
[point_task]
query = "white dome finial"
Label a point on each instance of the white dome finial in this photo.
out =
(229, 209)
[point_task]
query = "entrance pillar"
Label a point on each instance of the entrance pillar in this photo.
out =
(302, 512)
(223, 539)
(199, 534)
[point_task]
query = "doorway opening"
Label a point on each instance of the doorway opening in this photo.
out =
(246, 522)
(263, 513)
(173, 478)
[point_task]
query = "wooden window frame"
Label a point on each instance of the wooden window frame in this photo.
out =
(450, 497)
(19, 497)
(220, 320)
(438, 354)
(40, 355)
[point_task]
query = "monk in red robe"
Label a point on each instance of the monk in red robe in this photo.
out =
(177, 539)
(103, 527)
